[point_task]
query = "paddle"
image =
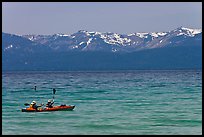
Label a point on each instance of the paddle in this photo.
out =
(54, 90)
(26, 104)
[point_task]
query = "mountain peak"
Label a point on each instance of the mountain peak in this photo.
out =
(189, 29)
(82, 31)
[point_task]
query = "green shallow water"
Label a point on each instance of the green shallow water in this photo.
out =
(121, 103)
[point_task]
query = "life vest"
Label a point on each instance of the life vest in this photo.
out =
(31, 105)
(49, 104)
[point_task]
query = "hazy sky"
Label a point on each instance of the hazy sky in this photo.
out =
(120, 17)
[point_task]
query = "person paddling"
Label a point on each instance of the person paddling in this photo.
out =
(34, 105)
(50, 103)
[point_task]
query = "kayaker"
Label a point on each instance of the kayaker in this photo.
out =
(49, 103)
(34, 105)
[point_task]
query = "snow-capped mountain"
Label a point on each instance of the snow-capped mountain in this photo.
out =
(113, 42)
(180, 48)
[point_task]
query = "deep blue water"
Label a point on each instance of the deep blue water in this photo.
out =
(130, 102)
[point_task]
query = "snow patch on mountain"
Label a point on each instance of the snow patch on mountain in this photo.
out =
(81, 43)
(75, 47)
(142, 35)
(62, 35)
(89, 41)
(158, 34)
(10, 46)
(114, 38)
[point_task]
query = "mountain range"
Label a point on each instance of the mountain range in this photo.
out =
(180, 48)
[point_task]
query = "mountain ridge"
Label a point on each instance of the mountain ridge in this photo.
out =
(180, 48)
(112, 42)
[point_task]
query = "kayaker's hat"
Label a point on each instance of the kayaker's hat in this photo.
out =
(49, 100)
(34, 102)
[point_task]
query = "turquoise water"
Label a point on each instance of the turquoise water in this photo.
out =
(123, 103)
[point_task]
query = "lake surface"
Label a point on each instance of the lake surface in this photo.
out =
(110, 103)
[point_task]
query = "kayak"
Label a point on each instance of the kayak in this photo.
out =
(54, 108)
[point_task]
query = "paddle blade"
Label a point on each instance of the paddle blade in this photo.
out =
(54, 91)
(26, 104)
